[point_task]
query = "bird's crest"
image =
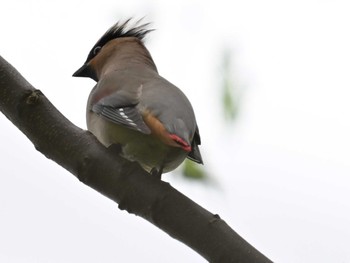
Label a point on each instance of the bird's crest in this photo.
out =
(118, 30)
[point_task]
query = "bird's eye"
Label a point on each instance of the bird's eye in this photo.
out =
(96, 50)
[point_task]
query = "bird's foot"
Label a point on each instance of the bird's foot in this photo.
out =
(157, 173)
(115, 149)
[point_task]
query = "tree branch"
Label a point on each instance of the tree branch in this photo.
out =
(124, 182)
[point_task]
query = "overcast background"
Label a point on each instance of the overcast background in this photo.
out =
(279, 173)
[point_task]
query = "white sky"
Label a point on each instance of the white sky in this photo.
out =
(281, 171)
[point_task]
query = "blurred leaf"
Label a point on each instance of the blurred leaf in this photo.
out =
(229, 89)
(193, 170)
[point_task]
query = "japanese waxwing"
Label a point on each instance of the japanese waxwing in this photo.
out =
(133, 106)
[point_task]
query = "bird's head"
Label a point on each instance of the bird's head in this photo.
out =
(120, 37)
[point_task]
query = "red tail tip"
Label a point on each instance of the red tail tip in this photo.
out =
(184, 145)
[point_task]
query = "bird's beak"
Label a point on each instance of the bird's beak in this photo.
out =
(85, 71)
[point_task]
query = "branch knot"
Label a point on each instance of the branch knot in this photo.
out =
(33, 97)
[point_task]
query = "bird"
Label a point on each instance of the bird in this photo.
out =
(133, 107)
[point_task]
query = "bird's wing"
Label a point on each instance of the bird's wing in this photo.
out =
(121, 108)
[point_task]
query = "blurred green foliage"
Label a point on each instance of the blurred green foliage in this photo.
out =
(229, 92)
(229, 87)
(193, 170)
